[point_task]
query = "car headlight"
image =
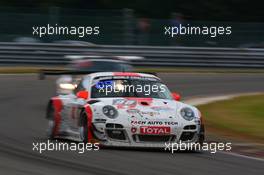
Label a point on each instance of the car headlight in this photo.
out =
(110, 111)
(67, 86)
(187, 113)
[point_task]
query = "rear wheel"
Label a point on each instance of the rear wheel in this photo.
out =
(51, 122)
(83, 129)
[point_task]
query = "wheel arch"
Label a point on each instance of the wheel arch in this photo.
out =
(89, 116)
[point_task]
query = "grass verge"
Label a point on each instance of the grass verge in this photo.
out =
(240, 117)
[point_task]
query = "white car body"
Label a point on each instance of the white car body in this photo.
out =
(139, 122)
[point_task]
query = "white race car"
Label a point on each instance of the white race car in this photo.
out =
(123, 109)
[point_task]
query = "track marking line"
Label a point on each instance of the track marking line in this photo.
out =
(196, 101)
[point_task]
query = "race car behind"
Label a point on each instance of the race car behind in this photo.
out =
(83, 64)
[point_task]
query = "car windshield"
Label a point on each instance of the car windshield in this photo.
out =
(143, 88)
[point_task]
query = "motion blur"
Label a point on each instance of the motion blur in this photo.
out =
(131, 87)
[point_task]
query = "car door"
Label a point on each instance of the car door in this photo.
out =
(71, 111)
(75, 109)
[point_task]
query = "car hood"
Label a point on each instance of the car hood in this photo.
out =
(143, 108)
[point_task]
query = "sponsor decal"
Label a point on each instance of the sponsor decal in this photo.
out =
(124, 103)
(144, 122)
(136, 111)
(132, 111)
(104, 84)
(171, 123)
(141, 101)
(133, 130)
(150, 113)
(161, 108)
(136, 122)
(155, 130)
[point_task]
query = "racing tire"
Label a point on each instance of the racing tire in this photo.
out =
(83, 129)
(201, 135)
(51, 121)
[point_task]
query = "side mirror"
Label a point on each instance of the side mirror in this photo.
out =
(176, 96)
(82, 94)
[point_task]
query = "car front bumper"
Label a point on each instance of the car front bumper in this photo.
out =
(124, 137)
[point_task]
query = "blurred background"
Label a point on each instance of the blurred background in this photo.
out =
(137, 22)
(198, 67)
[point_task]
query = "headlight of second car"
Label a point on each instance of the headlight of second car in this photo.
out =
(68, 86)
(110, 111)
(187, 113)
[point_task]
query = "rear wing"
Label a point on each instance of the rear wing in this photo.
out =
(53, 72)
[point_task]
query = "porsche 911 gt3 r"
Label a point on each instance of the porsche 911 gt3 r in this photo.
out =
(123, 109)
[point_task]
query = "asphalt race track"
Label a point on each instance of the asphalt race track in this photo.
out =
(23, 99)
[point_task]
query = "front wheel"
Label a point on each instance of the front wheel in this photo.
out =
(201, 135)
